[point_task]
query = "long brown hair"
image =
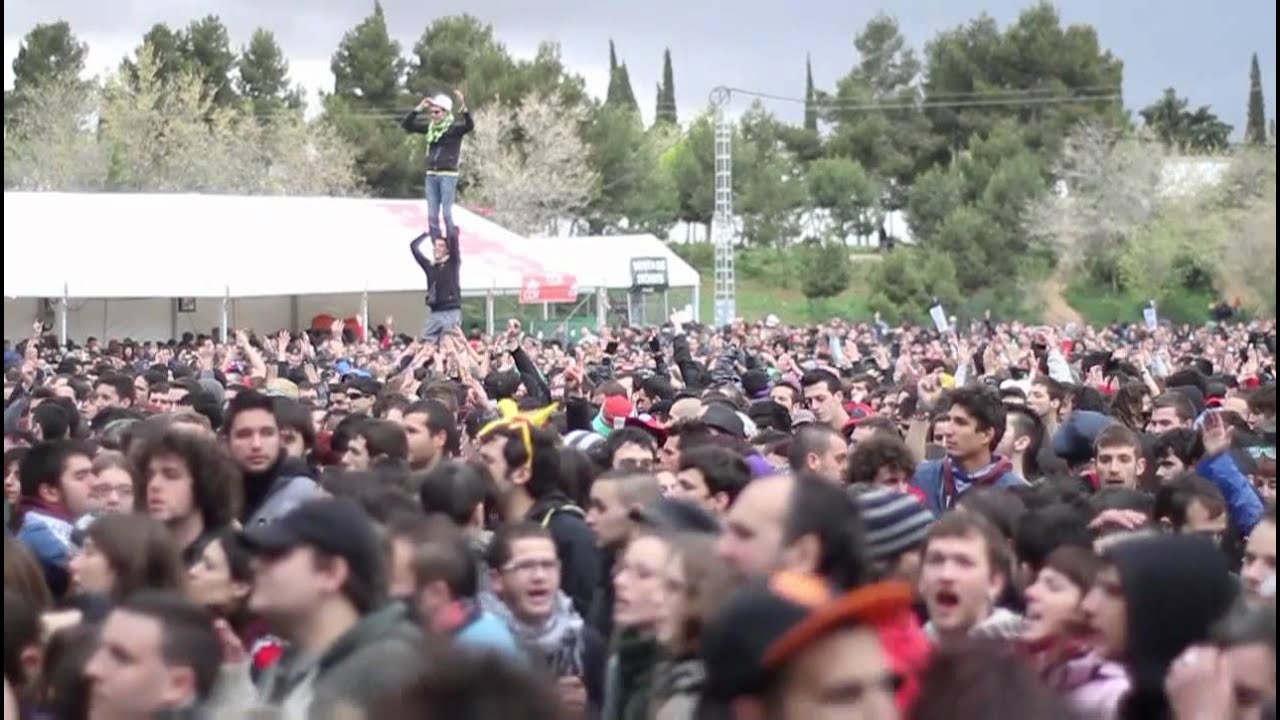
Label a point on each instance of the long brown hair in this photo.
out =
(708, 582)
(22, 574)
(141, 552)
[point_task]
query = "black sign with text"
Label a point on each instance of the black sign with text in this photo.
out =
(649, 273)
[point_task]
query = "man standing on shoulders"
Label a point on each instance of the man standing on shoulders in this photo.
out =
(444, 287)
(976, 424)
(444, 132)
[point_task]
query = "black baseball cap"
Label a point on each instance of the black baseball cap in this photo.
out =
(769, 622)
(335, 526)
(721, 417)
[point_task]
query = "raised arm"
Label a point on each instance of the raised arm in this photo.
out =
(414, 122)
(415, 247)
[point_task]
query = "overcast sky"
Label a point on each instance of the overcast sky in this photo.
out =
(1201, 48)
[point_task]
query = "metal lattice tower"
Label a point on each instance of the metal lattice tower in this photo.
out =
(722, 227)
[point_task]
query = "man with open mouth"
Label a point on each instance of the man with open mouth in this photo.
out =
(964, 571)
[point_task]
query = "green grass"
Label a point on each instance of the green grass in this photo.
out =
(758, 298)
(1100, 305)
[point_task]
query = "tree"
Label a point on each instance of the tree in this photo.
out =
(905, 284)
(207, 49)
(264, 77)
(49, 52)
(631, 195)
(1256, 129)
(619, 93)
(547, 75)
(460, 51)
(810, 97)
(877, 119)
(367, 71)
(1170, 120)
(167, 55)
(47, 143)
(825, 267)
(849, 197)
(529, 165)
(665, 109)
(690, 164)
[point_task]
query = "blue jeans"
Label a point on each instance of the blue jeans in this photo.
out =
(440, 192)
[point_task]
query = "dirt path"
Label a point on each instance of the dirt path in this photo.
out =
(1057, 311)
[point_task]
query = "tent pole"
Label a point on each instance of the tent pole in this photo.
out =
(63, 304)
(364, 314)
(666, 305)
(226, 314)
(631, 317)
(546, 312)
(697, 303)
(602, 314)
(293, 313)
(488, 312)
(173, 318)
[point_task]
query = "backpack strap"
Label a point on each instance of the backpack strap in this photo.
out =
(569, 508)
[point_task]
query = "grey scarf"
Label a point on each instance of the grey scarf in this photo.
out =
(558, 642)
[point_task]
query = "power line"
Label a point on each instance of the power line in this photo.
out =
(926, 103)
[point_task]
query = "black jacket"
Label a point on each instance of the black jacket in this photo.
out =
(444, 288)
(443, 154)
(575, 546)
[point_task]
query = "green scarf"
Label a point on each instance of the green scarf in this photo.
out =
(437, 127)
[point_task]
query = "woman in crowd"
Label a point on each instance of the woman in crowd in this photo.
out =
(221, 580)
(22, 574)
(1056, 636)
(639, 582)
(695, 584)
(12, 487)
(122, 554)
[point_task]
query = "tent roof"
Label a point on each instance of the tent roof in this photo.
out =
(115, 245)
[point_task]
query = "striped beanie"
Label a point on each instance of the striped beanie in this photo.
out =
(894, 522)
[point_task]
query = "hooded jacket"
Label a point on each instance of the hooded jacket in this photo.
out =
(1175, 588)
(281, 488)
(442, 154)
(575, 546)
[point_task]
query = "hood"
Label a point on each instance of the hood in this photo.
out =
(1176, 587)
(390, 623)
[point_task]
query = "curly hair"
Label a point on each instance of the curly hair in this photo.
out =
(215, 480)
(878, 451)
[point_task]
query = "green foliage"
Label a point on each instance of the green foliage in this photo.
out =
(367, 67)
(848, 194)
(48, 52)
(166, 47)
(207, 50)
(825, 269)
(633, 193)
(1179, 128)
(264, 77)
(905, 285)
(810, 98)
(690, 165)
(1255, 132)
(935, 195)
(619, 93)
(665, 107)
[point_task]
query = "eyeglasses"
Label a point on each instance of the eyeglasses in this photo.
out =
(635, 464)
(529, 567)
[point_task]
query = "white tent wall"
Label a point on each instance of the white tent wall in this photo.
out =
(153, 319)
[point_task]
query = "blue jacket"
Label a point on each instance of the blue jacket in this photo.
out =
(489, 633)
(49, 539)
(1243, 505)
(928, 480)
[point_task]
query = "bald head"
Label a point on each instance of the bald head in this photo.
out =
(753, 540)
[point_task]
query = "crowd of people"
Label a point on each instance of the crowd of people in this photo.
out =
(753, 522)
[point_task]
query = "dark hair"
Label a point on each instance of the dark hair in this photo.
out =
(444, 392)
(1001, 507)
(1055, 390)
(878, 451)
(383, 439)
(811, 439)
(244, 402)
(1121, 498)
(1126, 405)
(1027, 424)
(500, 547)
(578, 469)
(63, 688)
(1174, 498)
(1078, 563)
(445, 554)
(1184, 443)
(1042, 532)
(23, 574)
(54, 420)
(967, 524)
(21, 631)
(291, 414)
(460, 686)
(984, 679)
(141, 553)
(44, 463)
(122, 384)
(189, 637)
(454, 489)
(692, 433)
(723, 470)
(1187, 377)
(388, 402)
(984, 406)
(824, 377)
(1263, 400)
(628, 436)
(544, 466)
(822, 509)
(1118, 435)
(439, 420)
(1243, 626)
(215, 479)
(1180, 403)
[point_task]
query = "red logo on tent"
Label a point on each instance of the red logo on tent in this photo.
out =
(550, 288)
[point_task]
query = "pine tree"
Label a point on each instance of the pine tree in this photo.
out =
(48, 52)
(665, 112)
(166, 55)
(207, 49)
(619, 93)
(810, 101)
(1256, 130)
(367, 65)
(264, 76)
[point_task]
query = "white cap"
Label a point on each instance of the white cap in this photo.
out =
(444, 102)
(771, 320)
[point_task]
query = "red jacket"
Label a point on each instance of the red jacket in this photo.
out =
(908, 649)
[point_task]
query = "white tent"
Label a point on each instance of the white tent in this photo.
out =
(116, 262)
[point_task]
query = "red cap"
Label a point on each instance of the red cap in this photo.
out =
(616, 407)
